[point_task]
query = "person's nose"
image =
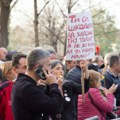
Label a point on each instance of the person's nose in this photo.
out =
(61, 71)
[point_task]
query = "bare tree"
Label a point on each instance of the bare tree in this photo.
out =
(4, 17)
(51, 27)
(53, 24)
(36, 16)
(4, 21)
(36, 24)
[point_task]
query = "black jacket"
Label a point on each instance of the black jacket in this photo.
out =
(29, 102)
(72, 89)
(107, 82)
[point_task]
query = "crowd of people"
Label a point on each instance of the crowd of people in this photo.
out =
(40, 86)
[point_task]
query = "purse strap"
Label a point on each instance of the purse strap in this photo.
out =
(91, 99)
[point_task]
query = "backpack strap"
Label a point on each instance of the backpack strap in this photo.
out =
(3, 85)
(2, 91)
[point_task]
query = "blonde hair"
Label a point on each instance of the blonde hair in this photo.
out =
(6, 67)
(94, 76)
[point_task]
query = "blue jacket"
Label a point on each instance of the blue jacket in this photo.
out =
(107, 82)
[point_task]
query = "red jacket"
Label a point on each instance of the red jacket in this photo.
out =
(5, 102)
(86, 109)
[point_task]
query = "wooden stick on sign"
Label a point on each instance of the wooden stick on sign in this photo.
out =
(82, 83)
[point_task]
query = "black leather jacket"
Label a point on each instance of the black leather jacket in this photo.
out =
(29, 102)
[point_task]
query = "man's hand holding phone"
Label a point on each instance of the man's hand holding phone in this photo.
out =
(41, 82)
(50, 78)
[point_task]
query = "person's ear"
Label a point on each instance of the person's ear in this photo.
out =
(94, 83)
(15, 70)
(36, 66)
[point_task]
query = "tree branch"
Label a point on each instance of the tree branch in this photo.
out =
(74, 3)
(54, 35)
(102, 11)
(43, 7)
(13, 5)
(60, 9)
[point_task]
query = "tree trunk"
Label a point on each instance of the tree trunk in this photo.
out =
(4, 18)
(36, 24)
(55, 47)
(69, 11)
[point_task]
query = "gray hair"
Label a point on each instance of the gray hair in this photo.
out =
(35, 56)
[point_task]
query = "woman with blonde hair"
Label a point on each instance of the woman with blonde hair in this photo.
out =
(97, 102)
(7, 71)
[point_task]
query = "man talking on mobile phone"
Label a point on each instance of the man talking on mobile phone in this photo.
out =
(29, 102)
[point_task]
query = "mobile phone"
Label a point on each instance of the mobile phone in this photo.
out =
(39, 72)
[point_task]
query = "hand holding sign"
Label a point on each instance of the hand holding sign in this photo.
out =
(80, 42)
(84, 65)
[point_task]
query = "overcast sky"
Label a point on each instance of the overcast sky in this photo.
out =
(23, 13)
